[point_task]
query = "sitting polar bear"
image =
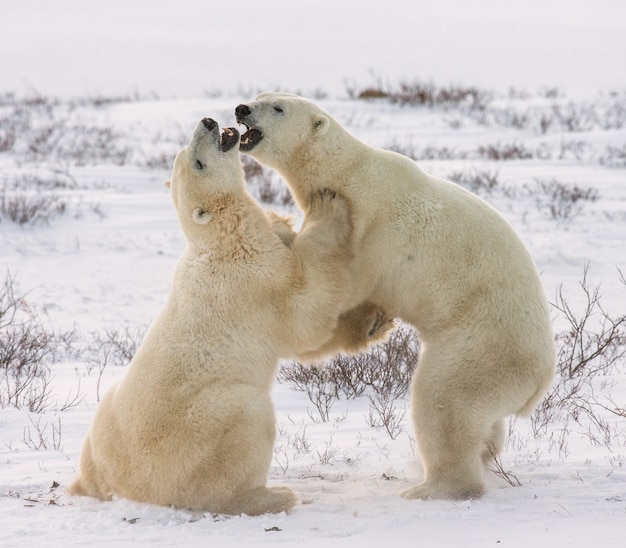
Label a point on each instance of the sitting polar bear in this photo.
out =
(438, 257)
(192, 423)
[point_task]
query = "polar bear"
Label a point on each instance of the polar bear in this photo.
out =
(438, 257)
(192, 424)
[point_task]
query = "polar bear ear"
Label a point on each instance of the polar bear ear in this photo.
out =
(200, 216)
(167, 184)
(321, 124)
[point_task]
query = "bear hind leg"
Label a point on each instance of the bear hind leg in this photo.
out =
(452, 437)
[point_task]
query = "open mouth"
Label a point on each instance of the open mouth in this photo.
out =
(230, 137)
(251, 138)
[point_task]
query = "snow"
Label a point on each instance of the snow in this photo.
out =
(107, 262)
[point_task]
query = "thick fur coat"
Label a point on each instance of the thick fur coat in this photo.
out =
(192, 424)
(438, 257)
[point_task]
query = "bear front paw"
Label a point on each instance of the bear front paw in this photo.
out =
(330, 209)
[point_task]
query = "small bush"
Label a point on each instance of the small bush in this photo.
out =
(28, 200)
(262, 183)
(428, 94)
(39, 129)
(592, 346)
(116, 347)
(162, 160)
(8, 135)
(614, 156)
(573, 149)
(26, 350)
(562, 201)
(383, 374)
(25, 208)
(574, 117)
(505, 151)
(406, 149)
(372, 93)
(476, 181)
(427, 153)
(78, 144)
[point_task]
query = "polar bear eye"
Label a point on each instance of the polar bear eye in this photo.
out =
(199, 165)
(278, 109)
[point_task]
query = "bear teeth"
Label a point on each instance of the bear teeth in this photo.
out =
(230, 138)
(250, 139)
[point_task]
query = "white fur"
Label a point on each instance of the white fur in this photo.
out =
(192, 423)
(440, 258)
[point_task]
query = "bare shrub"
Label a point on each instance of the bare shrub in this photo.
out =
(100, 101)
(40, 129)
(28, 199)
(570, 117)
(30, 208)
(26, 350)
(591, 347)
(318, 383)
(384, 413)
(575, 117)
(299, 441)
(505, 151)
(328, 453)
(389, 366)
(614, 156)
(582, 352)
(123, 343)
(426, 153)
(496, 466)
(421, 93)
(116, 347)
(562, 201)
(281, 457)
(573, 149)
(406, 149)
(614, 116)
(83, 145)
(476, 181)
(372, 93)
(383, 374)
(544, 122)
(39, 439)
(512, 117)
(262, 183)
(605, 113)
(8, 134)
(430, 95)
(159, 160)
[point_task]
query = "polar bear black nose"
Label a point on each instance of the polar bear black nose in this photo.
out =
(241, 111)
(209, 123)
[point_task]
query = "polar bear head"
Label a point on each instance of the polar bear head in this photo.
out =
(205, 176)
(282, 128)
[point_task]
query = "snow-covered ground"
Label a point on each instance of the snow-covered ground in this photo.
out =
(104, 264)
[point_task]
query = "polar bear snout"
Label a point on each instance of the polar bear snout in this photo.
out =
(253, 136)
(209, 127)
(206, 131)
(241, 112)
(209, 123)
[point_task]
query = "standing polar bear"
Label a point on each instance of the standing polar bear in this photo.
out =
(192, 423)
(438, 257)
